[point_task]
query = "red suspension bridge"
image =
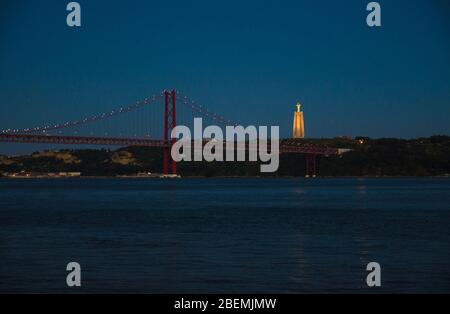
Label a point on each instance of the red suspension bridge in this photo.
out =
(144, 128)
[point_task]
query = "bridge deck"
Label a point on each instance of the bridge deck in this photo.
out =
(119, 141)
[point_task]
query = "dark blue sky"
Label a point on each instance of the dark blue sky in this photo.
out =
(248, 60)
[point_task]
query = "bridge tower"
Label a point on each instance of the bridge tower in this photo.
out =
(170, 123)
(311, 165)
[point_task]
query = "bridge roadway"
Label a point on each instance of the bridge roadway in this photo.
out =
(120, 141)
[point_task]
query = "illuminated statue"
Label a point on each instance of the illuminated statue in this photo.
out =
(299, 124)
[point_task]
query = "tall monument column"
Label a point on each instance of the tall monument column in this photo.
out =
(298, 130)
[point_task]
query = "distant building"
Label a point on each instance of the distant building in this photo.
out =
(298, 130)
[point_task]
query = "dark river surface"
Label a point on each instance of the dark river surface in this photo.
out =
(225, 235)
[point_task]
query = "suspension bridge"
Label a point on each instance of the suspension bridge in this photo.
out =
(140, 124)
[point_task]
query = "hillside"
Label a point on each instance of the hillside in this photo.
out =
(369, 157)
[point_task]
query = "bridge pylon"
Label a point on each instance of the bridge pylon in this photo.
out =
(311, 165)
(170, 123)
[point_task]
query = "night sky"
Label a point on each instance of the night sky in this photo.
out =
(248, 60)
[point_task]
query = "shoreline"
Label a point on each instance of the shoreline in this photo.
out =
(217, 177)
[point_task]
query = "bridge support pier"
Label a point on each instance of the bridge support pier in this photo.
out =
(311, 162)
(169, 124)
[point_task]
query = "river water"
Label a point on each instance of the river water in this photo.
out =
(225, 235)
